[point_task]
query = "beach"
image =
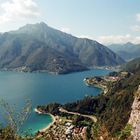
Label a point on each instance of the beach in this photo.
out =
(48, 126)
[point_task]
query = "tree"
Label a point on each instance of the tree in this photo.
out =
(15, 120)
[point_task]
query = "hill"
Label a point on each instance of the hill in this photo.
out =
(132, 66)
(112, 109)
(38, 47)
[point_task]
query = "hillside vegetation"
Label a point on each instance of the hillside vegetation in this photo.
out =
(133, 66)
(111, 109)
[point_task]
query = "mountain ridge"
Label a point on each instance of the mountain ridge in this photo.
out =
(127, 51)
(38, 47)
(132, 66)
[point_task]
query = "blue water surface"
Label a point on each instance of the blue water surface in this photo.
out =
(43, 88)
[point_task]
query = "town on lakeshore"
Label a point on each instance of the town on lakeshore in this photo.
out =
(69, 125)
(103, 81)
(65, 128)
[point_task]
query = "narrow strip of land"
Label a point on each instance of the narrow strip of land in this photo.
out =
(93, 118)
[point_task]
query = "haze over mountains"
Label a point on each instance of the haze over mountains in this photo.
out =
(38, 47)
(127, 51)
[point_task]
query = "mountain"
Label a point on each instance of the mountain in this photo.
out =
(132, 66)
(38, 47)
(127, 51)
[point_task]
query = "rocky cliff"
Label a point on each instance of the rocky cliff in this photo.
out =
(135, 117)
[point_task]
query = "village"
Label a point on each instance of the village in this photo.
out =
(103, 81)
(63, 129)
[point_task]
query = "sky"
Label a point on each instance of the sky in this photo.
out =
(107, 21)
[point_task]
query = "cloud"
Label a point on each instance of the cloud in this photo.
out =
(13, 10)
(65, 29)
(135, 28)
(138, 17)
(118, 39)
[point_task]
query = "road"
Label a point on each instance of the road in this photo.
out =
(93, 118)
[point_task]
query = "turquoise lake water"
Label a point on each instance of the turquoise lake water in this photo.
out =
(42, 88)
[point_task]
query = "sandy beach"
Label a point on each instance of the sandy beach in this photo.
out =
(48, 126)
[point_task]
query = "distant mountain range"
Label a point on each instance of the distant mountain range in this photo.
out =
(38, 47)
(127, 51)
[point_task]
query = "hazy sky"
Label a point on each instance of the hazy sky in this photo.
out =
(107, 21)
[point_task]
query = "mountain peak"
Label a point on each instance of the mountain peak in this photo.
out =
(129, 44)
(32, 28)
(37, 24)
(43, 23)
(49, 49)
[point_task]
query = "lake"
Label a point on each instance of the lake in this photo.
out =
(43, 88)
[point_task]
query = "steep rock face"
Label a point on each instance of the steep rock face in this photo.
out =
(135, 117)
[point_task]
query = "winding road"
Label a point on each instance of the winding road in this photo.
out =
(93, 118)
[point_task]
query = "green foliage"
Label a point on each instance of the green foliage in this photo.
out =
(112, 109)
(96, 128)
(52, 108)
(132, 66)
(82, 121)
(125, 133)
(118, 107)
(89, 105)
(7, 133)
(88, 134)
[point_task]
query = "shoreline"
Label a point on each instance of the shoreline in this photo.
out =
(50, 124)
(56, 73)
(103, 89)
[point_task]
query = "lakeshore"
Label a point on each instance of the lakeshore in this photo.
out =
(102, 82)
(63, 128)
(51, 123)
(97, 82)
(39, 88)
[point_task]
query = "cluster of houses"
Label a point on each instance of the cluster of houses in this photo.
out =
(63, 129)
(116, 76)
(75, 132)
(102, 81)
